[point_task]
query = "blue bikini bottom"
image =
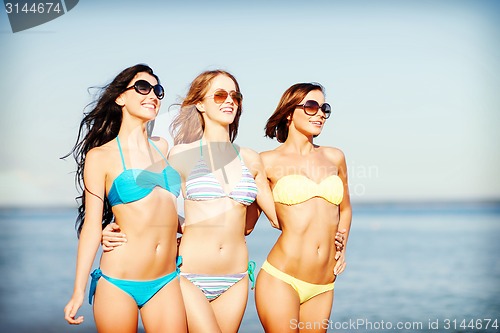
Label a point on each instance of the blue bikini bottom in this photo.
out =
(140, 291)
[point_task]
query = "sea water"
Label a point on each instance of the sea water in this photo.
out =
(408, 270)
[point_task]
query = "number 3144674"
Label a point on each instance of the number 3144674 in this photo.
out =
(35, 8)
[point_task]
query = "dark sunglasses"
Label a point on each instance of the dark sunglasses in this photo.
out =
(312, 107)
(143, 87)
(220, 96)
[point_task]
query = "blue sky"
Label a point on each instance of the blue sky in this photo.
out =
(413, 84)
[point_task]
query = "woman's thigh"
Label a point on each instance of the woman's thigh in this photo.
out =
(229, 307)
(165, 311)
(277, 304)
(200, 315)
(315, 313)
(114, 309)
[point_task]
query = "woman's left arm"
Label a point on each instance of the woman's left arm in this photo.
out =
(345, 210)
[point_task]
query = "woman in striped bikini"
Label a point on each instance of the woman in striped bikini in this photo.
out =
(220, 183)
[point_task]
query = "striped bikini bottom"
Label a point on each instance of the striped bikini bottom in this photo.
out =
(213, 286)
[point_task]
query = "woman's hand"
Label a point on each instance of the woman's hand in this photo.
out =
(339, 255)
(340, 266)
(71, 308)
(112, 237)
(340, 241)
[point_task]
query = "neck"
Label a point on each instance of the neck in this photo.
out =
(134, 136)
(299, 143)
(216, 133)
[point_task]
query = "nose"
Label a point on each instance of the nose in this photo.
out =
(152, 94)
(230, 99)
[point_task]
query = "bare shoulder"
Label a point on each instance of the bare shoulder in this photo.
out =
(249, 154)
(101, 154)
(270, 156)
(183, 156)
(98, 160)
(94, 155)
(161, 143)
(182, 148)
(252, 159)
(334, 154)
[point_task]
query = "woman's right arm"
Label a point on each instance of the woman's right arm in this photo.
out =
(265, 198)
(252, 215)
(264, 201)
(90, 236)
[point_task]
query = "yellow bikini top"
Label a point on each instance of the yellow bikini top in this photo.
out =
(294, 189)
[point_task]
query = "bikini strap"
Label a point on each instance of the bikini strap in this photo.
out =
(178, 264)
(251, 272)
(121, 153)
(96, 275)
(158, 150)
(237, 152)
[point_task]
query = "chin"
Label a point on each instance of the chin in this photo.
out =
(149, 117)
(316, 131)
(227, 120)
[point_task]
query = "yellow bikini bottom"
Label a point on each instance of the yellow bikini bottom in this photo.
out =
(305, 290)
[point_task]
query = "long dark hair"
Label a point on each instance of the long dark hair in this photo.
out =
(188, 125)
(98, 127)
(277, 124)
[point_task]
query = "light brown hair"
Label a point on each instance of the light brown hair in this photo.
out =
(188, 125)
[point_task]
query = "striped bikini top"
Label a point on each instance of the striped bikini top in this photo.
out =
(202, 184)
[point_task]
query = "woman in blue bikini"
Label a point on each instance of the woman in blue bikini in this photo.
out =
(126, 178)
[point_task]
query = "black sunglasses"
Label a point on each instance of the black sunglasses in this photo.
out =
(312, 107)
(143, 87)
(220, 96)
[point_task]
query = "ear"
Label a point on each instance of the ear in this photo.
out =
(120, 101)
(200, 107)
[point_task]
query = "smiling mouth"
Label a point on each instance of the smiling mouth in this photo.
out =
(149, 106)
(317, 123)
(227, 110)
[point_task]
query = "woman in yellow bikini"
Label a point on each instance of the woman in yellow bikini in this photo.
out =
(309, 185)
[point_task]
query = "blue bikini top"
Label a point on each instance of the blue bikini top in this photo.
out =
(134, 184)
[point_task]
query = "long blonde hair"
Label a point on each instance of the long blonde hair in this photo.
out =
(188, 125)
